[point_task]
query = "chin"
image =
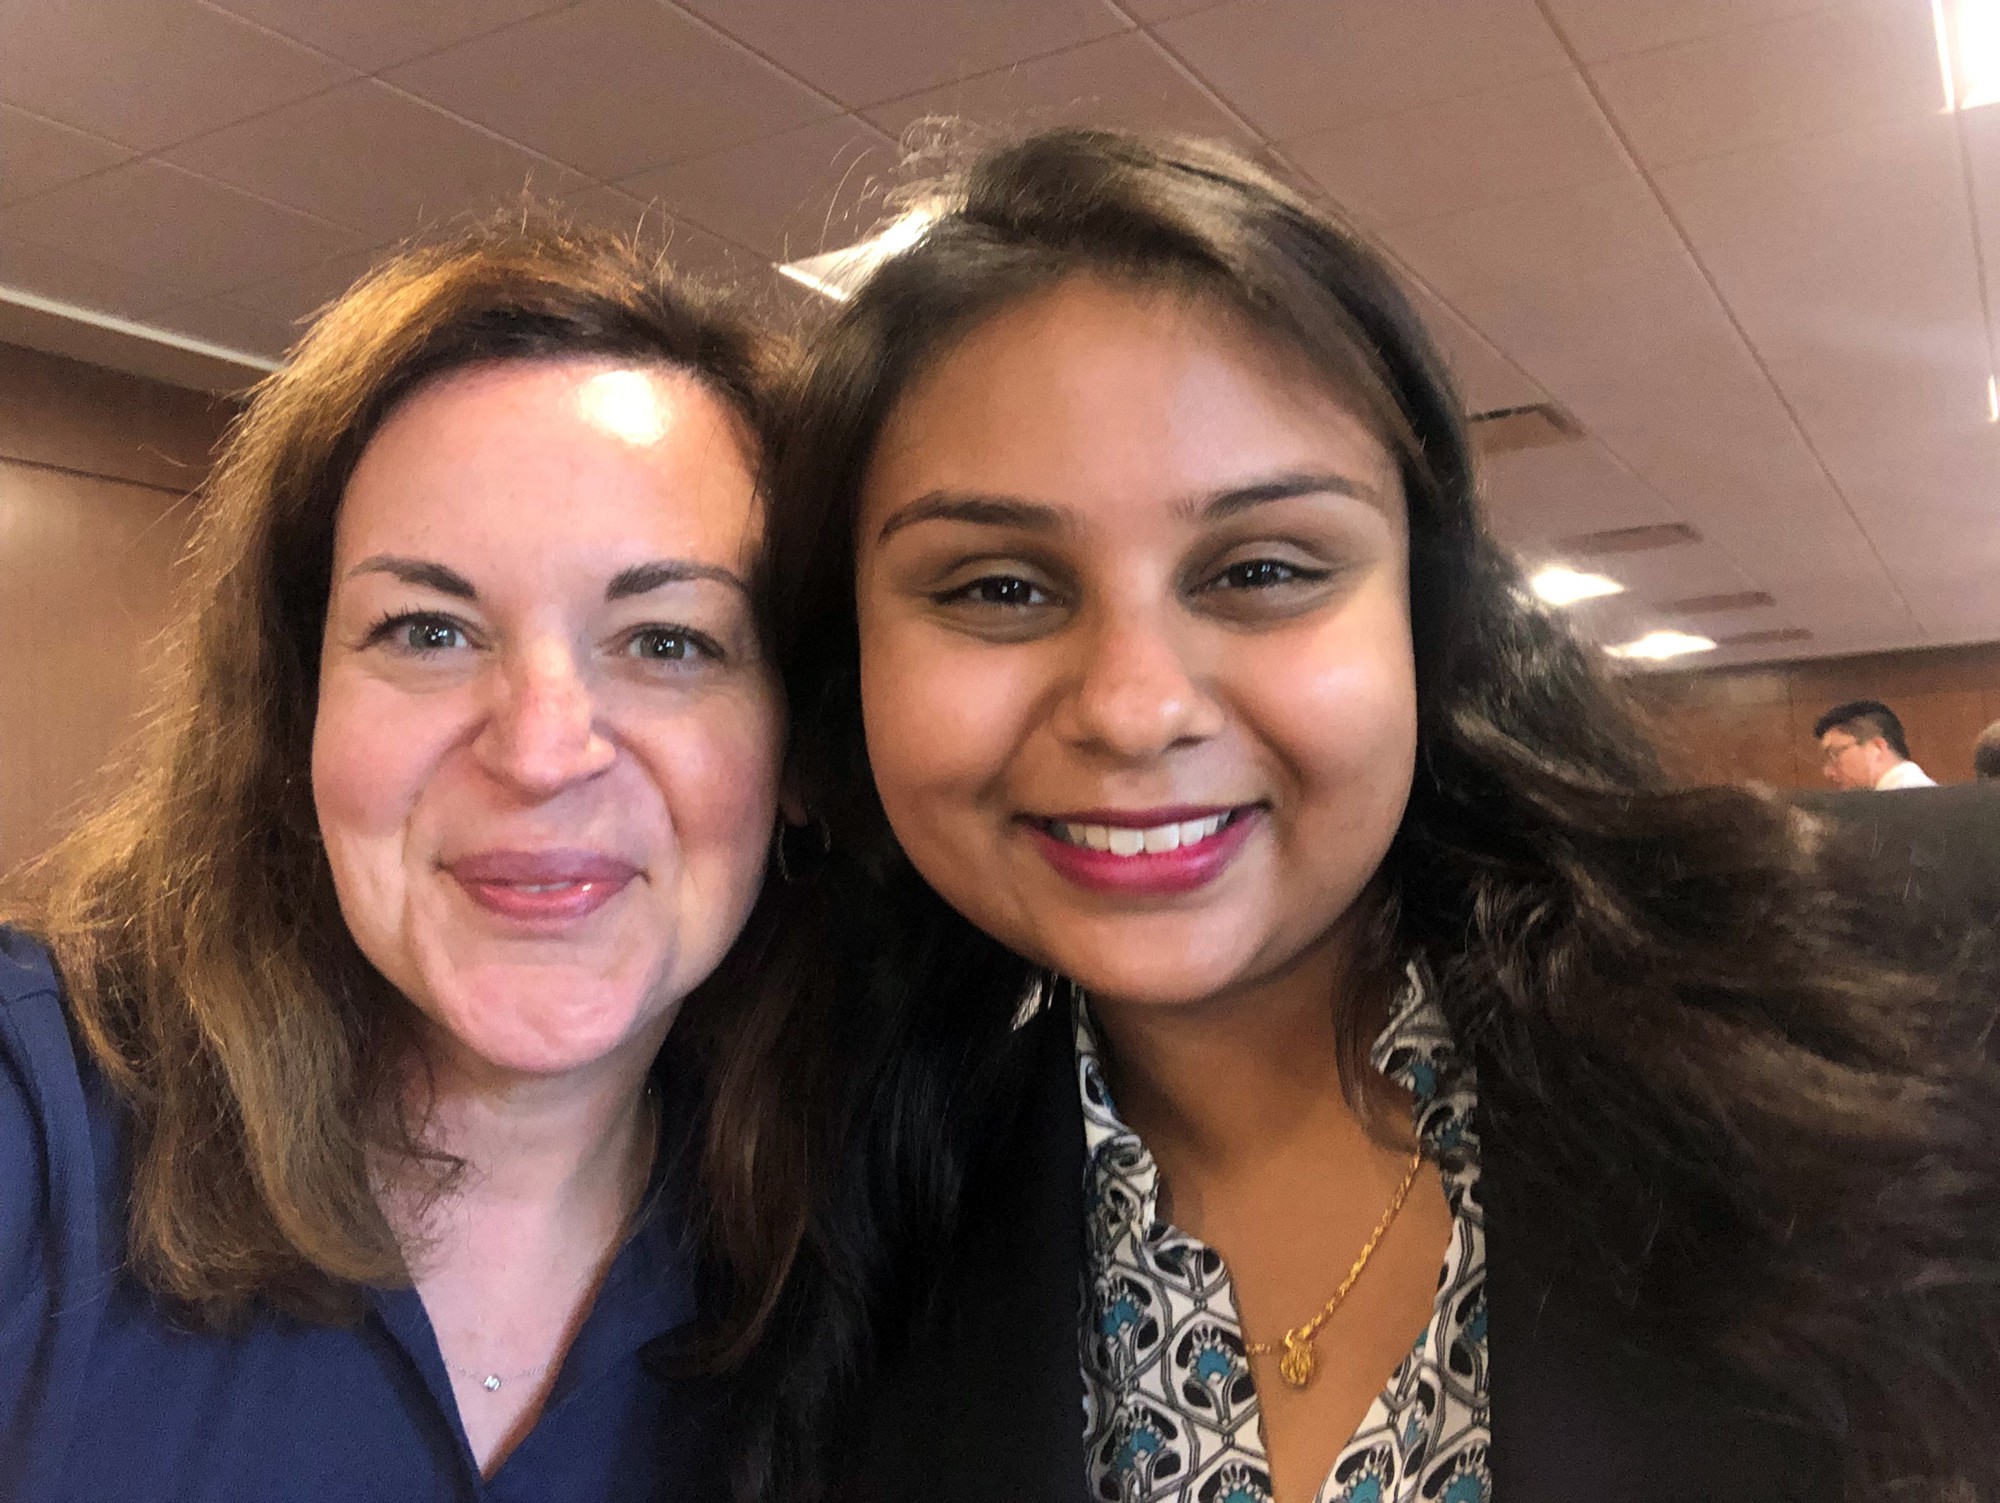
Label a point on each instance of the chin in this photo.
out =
(540, 1024)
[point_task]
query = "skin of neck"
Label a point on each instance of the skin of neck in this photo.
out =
(568, 1151)
(1230, 1081)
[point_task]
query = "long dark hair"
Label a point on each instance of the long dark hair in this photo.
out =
(192, 915)
(1744, 1133)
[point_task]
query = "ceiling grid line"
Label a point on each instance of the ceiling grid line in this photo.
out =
(1791, 412)
(1979, 259)
(1279, 157)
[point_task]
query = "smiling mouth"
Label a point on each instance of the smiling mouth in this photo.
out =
(1146, 840)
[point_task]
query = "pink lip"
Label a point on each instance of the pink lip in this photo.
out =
(1150, 873)
(555, 886)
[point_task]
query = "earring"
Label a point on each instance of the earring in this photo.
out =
(809, 868)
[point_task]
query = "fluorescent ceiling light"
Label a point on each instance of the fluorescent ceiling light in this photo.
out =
(1656, 646)
(1560, 586)
(1968, 43)
(1992, 400)
(837, 273)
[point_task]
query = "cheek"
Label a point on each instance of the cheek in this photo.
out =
(939, 719)
(718, 773)
(1344, 708)
(370, 758)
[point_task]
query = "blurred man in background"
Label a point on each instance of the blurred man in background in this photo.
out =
(1986, 753)
(1861, 746)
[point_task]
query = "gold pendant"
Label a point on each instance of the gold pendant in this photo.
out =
(1296, 1366)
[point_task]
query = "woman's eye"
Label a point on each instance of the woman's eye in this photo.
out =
(420, 634)
(1000, 589)
(667, 644)
(1261, 574)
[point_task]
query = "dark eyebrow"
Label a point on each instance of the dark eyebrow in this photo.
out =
(418, 571)
(1227, 503)
(1011, 511)
(976, 507)
(642, 579)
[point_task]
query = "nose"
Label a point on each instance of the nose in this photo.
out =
(542, 734)
(1135, 690)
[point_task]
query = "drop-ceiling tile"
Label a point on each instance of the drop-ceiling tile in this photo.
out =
(372, 158)
(69, 277)
(1294, 67)
(1535, 496)
(1981, 128)
(36, 154)
(1645, 358)
(1827, 70)
(1849, 262)
(147, 73)
(692, 252)
(1124, 81)
(233, 326)
(1149, 11)
(294, 296)
(807, 191)
(1465, 153)
(1599, 29)
(376, 34)
(864, 52)
(1485, 378)
(1548, 237)
(613, 87)
(187, 233)
(1931, 504)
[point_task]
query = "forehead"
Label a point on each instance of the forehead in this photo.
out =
(1101, 389)
(555, 455)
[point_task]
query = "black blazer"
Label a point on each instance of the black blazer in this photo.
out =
(986, 1406)
(1938, 849)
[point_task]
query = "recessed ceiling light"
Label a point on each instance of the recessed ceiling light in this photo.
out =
(1560, 586)
(1968, 43)
(837, 273)
(1656, 646)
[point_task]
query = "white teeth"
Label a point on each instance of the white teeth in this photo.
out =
(1196, 830)
(1122, 840)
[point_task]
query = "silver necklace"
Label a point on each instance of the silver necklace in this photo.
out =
(494, 1382)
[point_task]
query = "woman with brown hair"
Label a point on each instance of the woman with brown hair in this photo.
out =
(1281, 1036)
(336, 1139)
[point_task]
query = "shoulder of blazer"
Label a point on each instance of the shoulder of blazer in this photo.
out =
(985, 1403)
(1581, 1414)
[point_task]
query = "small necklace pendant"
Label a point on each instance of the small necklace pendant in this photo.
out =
(1297, 1365)
(492, 1383)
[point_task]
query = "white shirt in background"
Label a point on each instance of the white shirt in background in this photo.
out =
(1904, 775)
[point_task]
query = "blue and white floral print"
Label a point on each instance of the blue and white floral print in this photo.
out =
(1170, 1408)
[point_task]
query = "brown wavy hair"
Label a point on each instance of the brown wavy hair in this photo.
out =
(192, 915)
(1735, 1112)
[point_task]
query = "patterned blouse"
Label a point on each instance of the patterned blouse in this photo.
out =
(1170, 1408)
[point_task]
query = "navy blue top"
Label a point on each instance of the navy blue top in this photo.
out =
(103, 1398)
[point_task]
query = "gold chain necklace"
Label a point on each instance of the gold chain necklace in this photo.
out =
(1300, 1361)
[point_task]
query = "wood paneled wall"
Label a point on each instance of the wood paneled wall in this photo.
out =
(1735, 725)
(95, 474)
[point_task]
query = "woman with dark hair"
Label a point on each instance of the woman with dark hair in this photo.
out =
(336, 1142)
(1280, 1035)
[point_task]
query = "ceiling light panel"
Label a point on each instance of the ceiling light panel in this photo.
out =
(1560, 586)
(1658, 646)
(1968, 44)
